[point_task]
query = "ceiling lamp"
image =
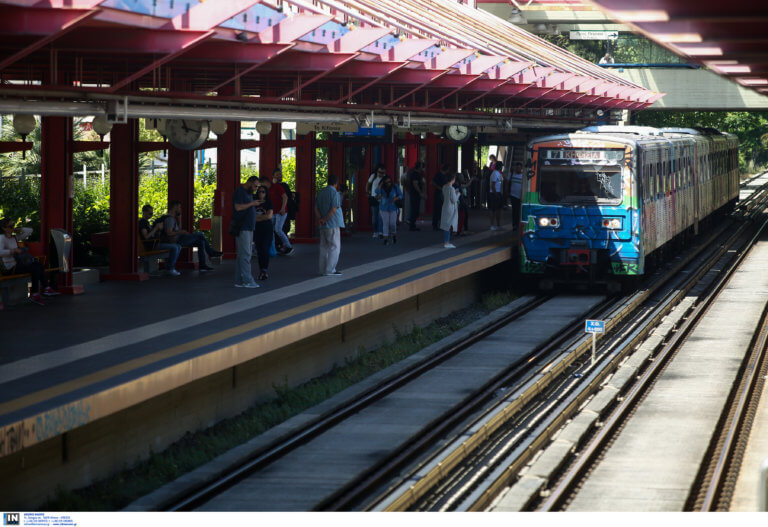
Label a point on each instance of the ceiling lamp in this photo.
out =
(218, 126)
(101, 126)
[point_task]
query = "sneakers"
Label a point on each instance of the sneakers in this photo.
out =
(495, 228)
(333, 273)
(215, 253)
(254, 285)
(263, 275)
(173, 272)
(386, 242)
(375, 235)
(50, 291)
(289, 252)
(449, 246)
(35, 298)
(394, 239)
(205, 268)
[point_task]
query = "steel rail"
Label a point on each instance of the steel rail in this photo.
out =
(234, 474)
(587, 455)
(479, 499)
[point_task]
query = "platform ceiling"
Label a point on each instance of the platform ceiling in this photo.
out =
(728, 37)
(417, 56)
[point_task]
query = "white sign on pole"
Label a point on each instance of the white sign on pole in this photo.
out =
(590, 34)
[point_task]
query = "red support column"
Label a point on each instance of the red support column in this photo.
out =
(123, 203)
(411, 150)
(452, 156)
(432, 167)
(56, 186)
(336, 159)
(468, 155)
(227, 179)
(269, 151)
(389, 158)
(305, 188)
(181, 187)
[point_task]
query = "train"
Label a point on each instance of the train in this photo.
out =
(604, 204)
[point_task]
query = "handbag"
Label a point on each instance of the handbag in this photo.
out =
(399, 203)
(24, 258)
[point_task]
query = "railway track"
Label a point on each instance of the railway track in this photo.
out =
(556, 375)
(470, 473)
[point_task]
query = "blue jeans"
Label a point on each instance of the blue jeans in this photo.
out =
(376, 222)
(174, 249)
(243, 273)
(196, 239)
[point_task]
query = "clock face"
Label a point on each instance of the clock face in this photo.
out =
(457, 133)
(186, 134)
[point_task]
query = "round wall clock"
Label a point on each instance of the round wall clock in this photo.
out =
(187, 134)
(457, 133)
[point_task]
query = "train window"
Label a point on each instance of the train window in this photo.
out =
(588, 183)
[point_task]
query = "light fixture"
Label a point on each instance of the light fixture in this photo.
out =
(263, 127)
(24, 124)
(218, 126)
(101, 126)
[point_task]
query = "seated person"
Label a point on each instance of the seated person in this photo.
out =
(147, 234)
(8, 265)
(172, 234)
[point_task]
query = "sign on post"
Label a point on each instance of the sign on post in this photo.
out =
(594, 327)
(593, 34)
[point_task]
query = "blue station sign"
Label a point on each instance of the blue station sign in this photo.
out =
(594, 326)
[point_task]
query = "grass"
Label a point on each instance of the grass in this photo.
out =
(196, 449)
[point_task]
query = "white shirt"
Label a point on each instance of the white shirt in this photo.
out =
(7, 244)
(374, 179)
(495, 181)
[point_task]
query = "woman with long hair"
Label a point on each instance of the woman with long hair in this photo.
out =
(389, 193)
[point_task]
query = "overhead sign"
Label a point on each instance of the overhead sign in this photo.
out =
(303, 128)
(588, 34)
(594, 326)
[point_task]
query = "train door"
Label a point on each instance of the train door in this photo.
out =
(695, 175)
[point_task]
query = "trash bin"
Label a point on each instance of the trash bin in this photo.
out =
(61, 250)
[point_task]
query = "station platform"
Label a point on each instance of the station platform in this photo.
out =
(79, 359)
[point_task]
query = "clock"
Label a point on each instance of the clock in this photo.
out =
(457, 133)
(186, 134)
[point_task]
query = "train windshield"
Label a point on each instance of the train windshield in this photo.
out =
(580, 175)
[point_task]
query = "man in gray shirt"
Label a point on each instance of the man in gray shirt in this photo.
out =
(330, 221)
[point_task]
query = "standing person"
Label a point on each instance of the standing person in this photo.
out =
(494, 197)
(291, 208)
(9, 248)
(515, 193)
(416, 191)
(462, 184)
(173, 234)
(330, 221)
(280, 203)
(437, 195)
(388, 194)
(449, 218)
(374, 180)
(262, 231)
(243, 223)
(149, 234)
(474, 187)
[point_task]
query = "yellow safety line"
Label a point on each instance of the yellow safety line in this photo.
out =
(60, 389)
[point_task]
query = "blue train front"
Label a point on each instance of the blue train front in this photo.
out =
(580, 211)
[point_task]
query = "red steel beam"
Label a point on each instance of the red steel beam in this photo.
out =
(207, 15)
(52, 23)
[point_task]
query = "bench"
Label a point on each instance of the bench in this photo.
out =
(14, 287)
(150, 257)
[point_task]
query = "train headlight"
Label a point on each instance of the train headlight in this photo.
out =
(613, 224)
(549, 222)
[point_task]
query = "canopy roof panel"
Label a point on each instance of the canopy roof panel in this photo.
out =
(728, 37)
(414, 55)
